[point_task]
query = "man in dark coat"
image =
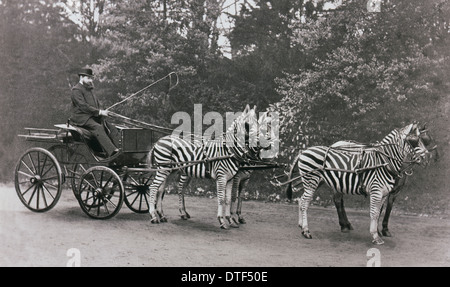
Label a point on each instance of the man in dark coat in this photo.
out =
(86, 111)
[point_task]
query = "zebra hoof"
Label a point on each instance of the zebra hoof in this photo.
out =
(377, 241)
(234, 223)
(163, 219)
(154, 221)
(346, 228)
(184, 215)
(307, 234)
(386, 233)
(242, 220)
(223, 224)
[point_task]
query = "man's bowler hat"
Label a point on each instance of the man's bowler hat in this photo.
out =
(86, 72)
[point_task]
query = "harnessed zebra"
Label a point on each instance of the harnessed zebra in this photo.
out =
(240, 180)
(228, 154)
(400, 180)
(369, 171)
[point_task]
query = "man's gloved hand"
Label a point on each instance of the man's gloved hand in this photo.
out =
(103, 113)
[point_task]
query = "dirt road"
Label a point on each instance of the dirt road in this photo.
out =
(270, 237)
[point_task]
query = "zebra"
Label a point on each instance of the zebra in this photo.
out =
(226, 156)
(240, 180)
(368, 171)
(400, 181)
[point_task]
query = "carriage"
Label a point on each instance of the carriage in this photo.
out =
(69, 155)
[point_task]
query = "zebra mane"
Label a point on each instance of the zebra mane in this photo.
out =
(395, 146)
(242, 134)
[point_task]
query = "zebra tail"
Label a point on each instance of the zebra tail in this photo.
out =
(289, 190)
(151, 158)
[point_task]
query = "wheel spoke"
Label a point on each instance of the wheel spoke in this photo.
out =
(29, 169)
(32, 195)
(25, 174)
(105, 200)
(48, 191)
(43, 165)
(108, 181)
(43, 196)
(32, 163)
(28, 189)
(137, 195)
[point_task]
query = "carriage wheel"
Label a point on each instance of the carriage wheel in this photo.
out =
(38, 179)
(100, 193)
(137, 186)
(73, 164)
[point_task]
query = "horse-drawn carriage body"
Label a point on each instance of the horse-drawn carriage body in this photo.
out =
(100, 183)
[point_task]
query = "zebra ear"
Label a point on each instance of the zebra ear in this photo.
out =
(407, 129)
(247, 108)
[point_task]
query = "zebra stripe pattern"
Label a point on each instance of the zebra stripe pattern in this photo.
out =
(240, 180)
(369, 171)
(399, 183)
(173, 149)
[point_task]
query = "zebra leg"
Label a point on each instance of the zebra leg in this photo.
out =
(157, 185)
(310, 185)
(159, 209)
(242, 186)
(182, 183)
(221, 183)
(303, 205)
(376, 201)
(343, 220)
(400, 182)
(228, 201)
(390, 204)
(238, 184)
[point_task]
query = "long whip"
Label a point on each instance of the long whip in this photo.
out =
(145, 88)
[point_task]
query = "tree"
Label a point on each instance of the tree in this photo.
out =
(261, 43)
(374, 78)
(143, 41)
(38, 47)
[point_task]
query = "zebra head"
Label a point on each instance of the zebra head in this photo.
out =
(417, 143)
(242, 134)
(423, 143)
(248, 135)
(268, 135)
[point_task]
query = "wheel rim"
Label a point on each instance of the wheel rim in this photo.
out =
(38, 180)
(101, 192)
(137, 186)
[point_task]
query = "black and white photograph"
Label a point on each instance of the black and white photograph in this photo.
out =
(216, 134)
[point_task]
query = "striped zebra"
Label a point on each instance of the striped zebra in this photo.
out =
(368, 171)
(400, 181)
(240, 180)
(225, 156)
